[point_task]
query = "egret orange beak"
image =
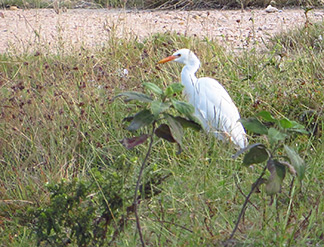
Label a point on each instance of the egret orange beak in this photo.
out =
(167, 59)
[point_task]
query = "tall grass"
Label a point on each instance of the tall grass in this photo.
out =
(58, 121)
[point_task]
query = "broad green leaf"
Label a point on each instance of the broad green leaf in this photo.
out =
(277, 174)
(301, 131)
(135, 96)
(164, 131)
(297, 127)
(256, 154)
(154, 88)
(297, 162)
(266, 116)
(275, 135)
(254, 125)
(141, 119)
(158, 107)
(243, 150)
(285, 123)
(292, 126)
(183, 108)
(130, 143)
(176, 128)
(174, 88)
(186, 123)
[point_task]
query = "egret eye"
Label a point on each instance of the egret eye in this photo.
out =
(178, 55)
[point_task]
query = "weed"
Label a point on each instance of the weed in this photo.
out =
(58, 122)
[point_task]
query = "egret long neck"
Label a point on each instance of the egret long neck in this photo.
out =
(189, 80)
(188, 77)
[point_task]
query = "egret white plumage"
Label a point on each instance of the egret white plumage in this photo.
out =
(213, 105)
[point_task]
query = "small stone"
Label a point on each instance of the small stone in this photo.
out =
(13, 7)
(271, 9)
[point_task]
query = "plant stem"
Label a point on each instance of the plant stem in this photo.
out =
(138, 225)
(254, 186)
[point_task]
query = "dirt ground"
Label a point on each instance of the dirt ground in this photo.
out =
(30, 30)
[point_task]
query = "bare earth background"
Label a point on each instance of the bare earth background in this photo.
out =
(43, 29)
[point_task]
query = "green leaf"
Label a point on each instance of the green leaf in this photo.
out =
(186, 123)
(158, 107)
(256, 154)
(154, 88)
(183, 108)
(164, 132)
(275, 136)
(277, 174)
(285, 123)
(266, 116)
(141, 119)
(176, 128)
(292, 126)
(174, 88)
(243, 150)
(297, 127)
(134, 96)
(296, 161)
(254, 125)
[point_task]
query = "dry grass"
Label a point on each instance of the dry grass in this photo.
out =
(58, 122)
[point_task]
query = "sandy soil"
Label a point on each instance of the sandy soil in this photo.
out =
(26, 30)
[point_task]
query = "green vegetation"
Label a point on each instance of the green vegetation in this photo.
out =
(66, 177)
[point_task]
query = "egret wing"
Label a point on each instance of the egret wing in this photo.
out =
(217, 111)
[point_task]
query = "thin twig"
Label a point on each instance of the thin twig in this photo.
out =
(172, 223)
(242, 193)
(254, 186)
(131, 209)
(138, 225)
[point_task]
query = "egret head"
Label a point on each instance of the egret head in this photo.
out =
(184, 56)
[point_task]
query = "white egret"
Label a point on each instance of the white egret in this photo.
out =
(213, 105)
